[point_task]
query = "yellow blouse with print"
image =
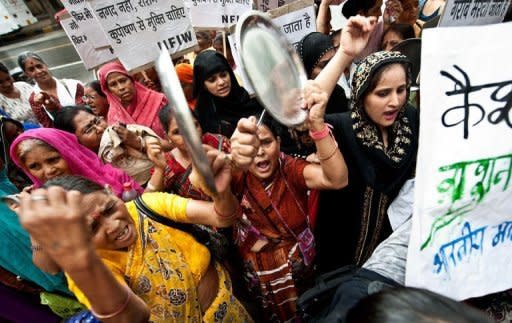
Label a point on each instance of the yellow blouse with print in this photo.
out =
(164, 266)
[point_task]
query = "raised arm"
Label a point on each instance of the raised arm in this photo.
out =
(354, 38)
(55, 218)
(332, 172)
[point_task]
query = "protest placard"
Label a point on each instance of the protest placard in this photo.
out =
(266, 5)
(217, 14)
(90, 56)
(473, 12)
(138, 29)
(240, 70)
(82, 15)
(295, 20)
(462, 223)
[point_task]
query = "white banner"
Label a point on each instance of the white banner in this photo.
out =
(82, 14)
(137, 29)
(297, 23)
(240, 69)
(462, 224)
(473, 12)
(217, 14)
(90, 56)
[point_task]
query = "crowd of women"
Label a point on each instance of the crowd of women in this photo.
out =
(290, 204)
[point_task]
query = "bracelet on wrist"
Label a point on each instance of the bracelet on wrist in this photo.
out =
(329, 155)
(234, 214)
(117, 311)
(321, 134)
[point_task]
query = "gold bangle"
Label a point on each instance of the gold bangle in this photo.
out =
(116, 312)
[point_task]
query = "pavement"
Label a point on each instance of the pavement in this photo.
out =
(51, 43)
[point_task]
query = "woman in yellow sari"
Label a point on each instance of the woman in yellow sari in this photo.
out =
(125, 266)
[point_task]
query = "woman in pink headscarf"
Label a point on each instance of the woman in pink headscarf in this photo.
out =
(130, 102)
(47, 153)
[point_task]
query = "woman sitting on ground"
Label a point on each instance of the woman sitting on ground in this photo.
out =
(49, 94)
(122, 146)
(127, 267)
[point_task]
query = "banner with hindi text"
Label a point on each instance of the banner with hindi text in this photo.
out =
(462, 223)
(473, 12)
(217, 14)
(137, 29)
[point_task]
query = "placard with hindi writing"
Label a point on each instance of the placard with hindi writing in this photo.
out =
(462, 223)
(295, 20)
(217, 14)
(473, 12)
(82, 15)
(137, 29)
(82, 43)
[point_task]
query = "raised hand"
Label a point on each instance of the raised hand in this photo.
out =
(245, 143)
(315, 100)
(355, 35)
(155, 152)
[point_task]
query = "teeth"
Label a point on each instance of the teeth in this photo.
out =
(122, 233)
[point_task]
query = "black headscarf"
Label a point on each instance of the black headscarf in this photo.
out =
(311, 50)
(220, 115)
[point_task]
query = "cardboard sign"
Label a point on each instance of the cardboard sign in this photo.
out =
(295, 20)
(462, 223)
(81, 12)
(138, 29)
(473, 12)
(90, 56)
(217, 14)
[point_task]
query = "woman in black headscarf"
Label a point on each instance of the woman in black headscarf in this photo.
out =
(221, 101)
(379, 141)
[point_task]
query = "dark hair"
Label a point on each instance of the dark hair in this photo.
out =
(75, 183)
(4, 68)
(272, 124)
(22, 58)
(166, 115)
(64, 118)
(96, 86)
(405, 305)
(378, 74)
(405, 31)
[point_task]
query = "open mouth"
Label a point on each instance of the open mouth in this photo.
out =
(123, 234)
(263, 166)
(390, 115)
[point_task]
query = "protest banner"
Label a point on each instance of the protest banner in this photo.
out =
(217, 14)
(138, 29)
(295, 20)
(473, 12)
(266, 5)
(82, 15)
(240, 70)
(82, 43)
(462, 223)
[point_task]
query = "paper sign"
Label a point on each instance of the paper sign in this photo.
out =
(295, 20)
(240, 70)
(138, 29)
(266, 5)
(462, 223)
(90, 56)
(82, 15)
(473, 12)
(217, 14)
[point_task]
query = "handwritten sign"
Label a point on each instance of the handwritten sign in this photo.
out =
(266, 5)
(81, 12)
(137, 29)
(295, 20)
(217, 13)
(473, 12)
(462, 224)
(90, 56)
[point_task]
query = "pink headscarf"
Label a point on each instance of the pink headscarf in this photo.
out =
(81, 160)
(144, 108)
